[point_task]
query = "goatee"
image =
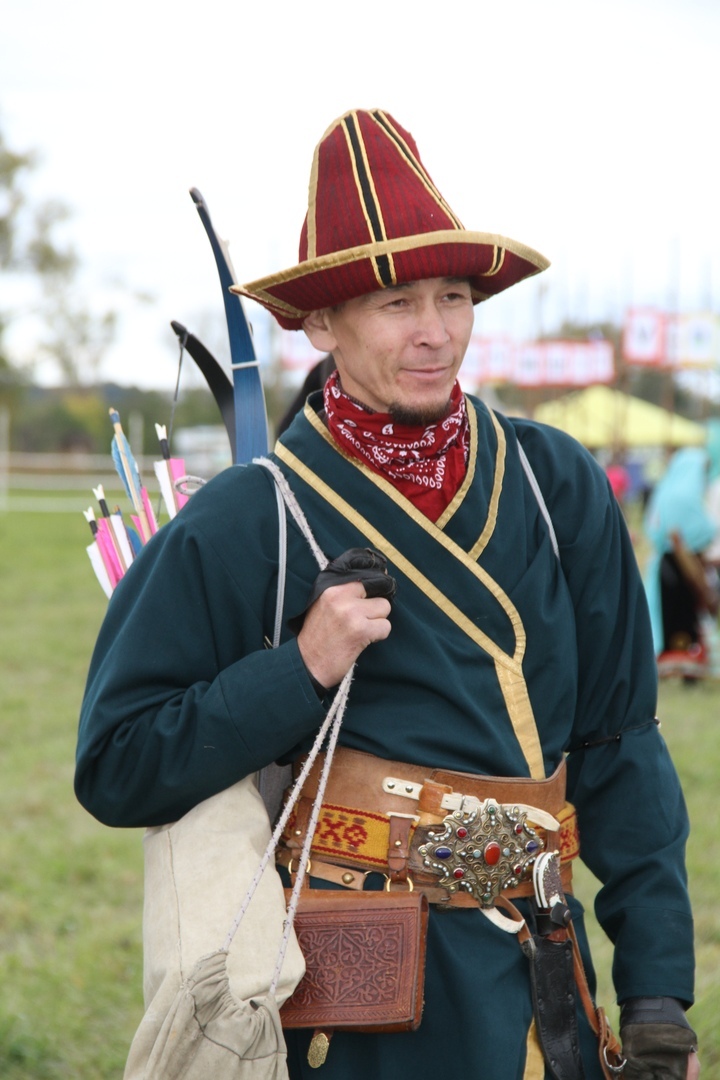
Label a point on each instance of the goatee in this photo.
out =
(419, 417)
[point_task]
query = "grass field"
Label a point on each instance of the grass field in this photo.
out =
(71, 890)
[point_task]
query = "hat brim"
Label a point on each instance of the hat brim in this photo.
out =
(492, 264)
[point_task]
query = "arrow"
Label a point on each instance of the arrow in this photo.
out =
(168, 471)
(102, 563)
(108, 530)
(128, 472)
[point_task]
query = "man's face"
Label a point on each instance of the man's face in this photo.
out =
(399, 350)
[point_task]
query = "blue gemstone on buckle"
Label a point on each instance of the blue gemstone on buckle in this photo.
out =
(443, 852)
(532, 846)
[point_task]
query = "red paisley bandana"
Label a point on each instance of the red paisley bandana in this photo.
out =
(426, 464)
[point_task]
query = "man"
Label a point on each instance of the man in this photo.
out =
(519, 637)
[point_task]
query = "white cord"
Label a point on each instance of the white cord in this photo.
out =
(332, 723)
(295, 509)
(282, 568)
(532, 479)
(334, 711)
(339, 703)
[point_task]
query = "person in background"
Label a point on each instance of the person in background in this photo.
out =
(516, 656)
(619, 479)
(712, 496)
(680, 588)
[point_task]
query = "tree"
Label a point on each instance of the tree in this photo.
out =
(39, 269)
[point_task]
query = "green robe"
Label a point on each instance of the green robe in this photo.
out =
(183, 699)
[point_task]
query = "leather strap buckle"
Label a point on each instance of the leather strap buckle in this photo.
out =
(389, 883)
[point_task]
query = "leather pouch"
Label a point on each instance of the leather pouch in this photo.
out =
(365, 961)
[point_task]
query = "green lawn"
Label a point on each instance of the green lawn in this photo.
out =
(71, 890)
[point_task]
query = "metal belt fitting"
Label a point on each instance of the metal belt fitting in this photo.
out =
(484, 847)
(455, 800)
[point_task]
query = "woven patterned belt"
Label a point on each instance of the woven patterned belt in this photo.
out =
(463, 838)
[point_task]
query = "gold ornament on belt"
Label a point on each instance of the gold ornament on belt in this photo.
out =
(483, 850)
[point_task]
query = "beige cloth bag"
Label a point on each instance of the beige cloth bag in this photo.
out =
(208, 1013)
(220, 952)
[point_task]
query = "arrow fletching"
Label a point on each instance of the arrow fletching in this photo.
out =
(125, 462)
(128, 472)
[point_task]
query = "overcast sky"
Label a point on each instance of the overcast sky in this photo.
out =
(587, 130)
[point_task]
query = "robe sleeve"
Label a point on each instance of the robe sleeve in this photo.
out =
(632, 817)
(183, 698)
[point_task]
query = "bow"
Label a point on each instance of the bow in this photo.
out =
(251, 430)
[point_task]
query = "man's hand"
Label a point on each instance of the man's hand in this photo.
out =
(337, 627)
(657, 1040)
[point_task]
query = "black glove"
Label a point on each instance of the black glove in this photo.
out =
(656, 1039)
(355, 564)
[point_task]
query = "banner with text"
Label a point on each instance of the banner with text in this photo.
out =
(543, 363)
(498, 360)
(653, 338)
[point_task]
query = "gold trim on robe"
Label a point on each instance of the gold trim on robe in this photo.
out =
(508, 668)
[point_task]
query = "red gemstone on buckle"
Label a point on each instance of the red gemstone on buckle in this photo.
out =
(459, 873)
(492, 853)
(461, 832)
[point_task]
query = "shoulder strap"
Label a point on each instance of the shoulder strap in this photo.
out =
(273, 779)
(282, 568)
(532, 480)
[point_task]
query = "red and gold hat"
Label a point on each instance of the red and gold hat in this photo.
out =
(376, 219)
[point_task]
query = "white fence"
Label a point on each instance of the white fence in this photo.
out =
(62, 483)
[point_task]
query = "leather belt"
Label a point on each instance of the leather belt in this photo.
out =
(385, 815)
(352, 878)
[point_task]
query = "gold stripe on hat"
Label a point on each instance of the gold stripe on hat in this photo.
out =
(280, 306)
(406, 243)
(381, 119)
(498, 260)
(383, 265)
(312, 205)
(364, 178)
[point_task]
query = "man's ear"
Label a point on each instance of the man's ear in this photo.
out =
(317, 327)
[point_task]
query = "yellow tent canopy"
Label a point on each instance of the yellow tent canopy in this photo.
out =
(600, 417)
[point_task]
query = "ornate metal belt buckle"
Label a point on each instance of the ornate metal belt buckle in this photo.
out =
(484, 849)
